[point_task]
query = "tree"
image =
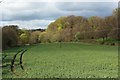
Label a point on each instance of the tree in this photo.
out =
(44, 37)
(24, 38)
(111, 26)
(0, 39)
(9, 37)
(34, 37)
(112, 21)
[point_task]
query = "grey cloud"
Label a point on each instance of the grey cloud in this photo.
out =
(39, 14)
(75, 6)
(44, 10)
(31, 12)
(98, 8)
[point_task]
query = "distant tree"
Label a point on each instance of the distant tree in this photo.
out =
(55, 37)
(102, 30)
(44, 37)
(55, 28)
(24, 37)
(0, 39)
(34, 37)
(113, 22)
(65, 35)
(9, 36)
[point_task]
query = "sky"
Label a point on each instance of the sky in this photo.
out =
(31, 14)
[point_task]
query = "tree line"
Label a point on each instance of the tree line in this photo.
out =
(75, 28)
(13, 36)
(65, 29)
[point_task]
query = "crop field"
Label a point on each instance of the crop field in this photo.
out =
(71, 60)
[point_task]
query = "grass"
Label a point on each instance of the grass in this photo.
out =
(72, 60)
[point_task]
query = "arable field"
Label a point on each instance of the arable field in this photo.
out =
(72, 60)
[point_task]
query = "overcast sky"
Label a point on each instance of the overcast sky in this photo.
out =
(33, 15)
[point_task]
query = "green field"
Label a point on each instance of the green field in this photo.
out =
(72, 60)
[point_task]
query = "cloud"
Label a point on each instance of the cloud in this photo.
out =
(96, 6)
(51, 11)
(36, 13)
(88, 8)
(32, 24)
(62, 0)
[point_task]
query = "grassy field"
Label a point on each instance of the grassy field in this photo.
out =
(72, 60)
